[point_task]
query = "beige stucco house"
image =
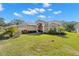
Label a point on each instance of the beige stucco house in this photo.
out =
(39, 25)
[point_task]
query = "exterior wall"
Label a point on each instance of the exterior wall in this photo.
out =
(31, 27)
(26, 27)
(22, 27)
(54, 25)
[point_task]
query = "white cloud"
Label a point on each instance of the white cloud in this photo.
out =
(46, 4)
(40, 10)
(26, 12)
(57, 12)
(42, 16)
(33, 11)
(17, 14)
(29, 12)
(1, 7)
(37, 9)
(49, 9)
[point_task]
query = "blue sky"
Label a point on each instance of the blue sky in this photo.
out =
(31, 12)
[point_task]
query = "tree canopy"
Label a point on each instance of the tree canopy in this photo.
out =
(17, 21)
(2, 21)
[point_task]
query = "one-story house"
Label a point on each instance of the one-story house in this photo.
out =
(39, 25)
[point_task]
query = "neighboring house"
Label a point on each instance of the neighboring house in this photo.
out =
(76, 27)
(39, 25)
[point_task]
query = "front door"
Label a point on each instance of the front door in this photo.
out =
(40, 27)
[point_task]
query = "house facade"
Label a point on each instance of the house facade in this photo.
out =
(39, 25)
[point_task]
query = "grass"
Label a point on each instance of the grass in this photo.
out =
(41, 45)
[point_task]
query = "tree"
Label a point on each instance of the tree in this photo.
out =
(17, 21)
(12, 30)
(2, 21)
(69, 26)
(60, 29)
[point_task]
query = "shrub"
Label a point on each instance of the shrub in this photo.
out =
(60, 29)
(12, 31)
(52, 31)
(32, 31)
(57, 31)
(24, 31)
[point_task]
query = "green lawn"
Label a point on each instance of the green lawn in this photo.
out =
(41, 45)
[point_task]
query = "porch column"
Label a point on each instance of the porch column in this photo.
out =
(43, 27)
(37, 28)
(49, 26)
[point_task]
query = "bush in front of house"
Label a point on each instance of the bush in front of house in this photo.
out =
(13, 31)
(24, 31)
(28, 32)
(61, 30)
(52, 31)
(33, 31)
(57, 31)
